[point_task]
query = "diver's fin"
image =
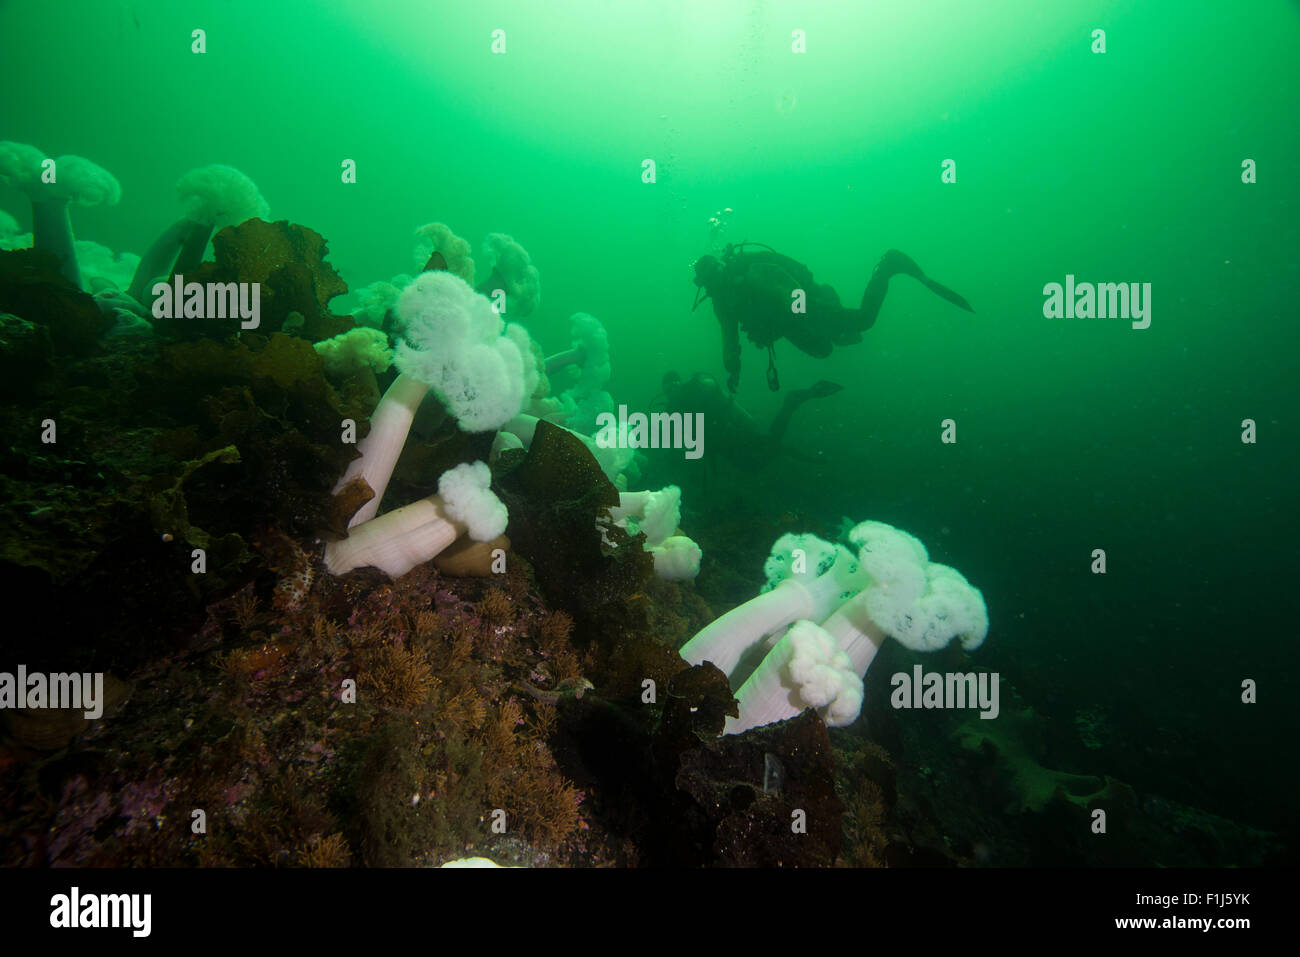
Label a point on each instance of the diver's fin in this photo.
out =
(794, 399)
(943, 292)
(823, 388)
(894, 262)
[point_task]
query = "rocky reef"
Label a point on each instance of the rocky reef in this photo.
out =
(167, 498)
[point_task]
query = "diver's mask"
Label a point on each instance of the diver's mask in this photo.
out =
(706, 268)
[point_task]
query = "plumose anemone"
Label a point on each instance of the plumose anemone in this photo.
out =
(824, 614)
(397, 541)
(52, 189)
(213, 196)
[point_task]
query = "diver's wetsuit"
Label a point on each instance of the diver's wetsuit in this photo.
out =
(754, 291)
(736, 435)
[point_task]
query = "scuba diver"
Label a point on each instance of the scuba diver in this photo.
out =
(733, 433)
(752, 290)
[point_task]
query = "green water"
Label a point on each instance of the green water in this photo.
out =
(1072, 434)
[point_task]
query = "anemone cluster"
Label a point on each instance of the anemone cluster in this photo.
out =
(470, 563)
